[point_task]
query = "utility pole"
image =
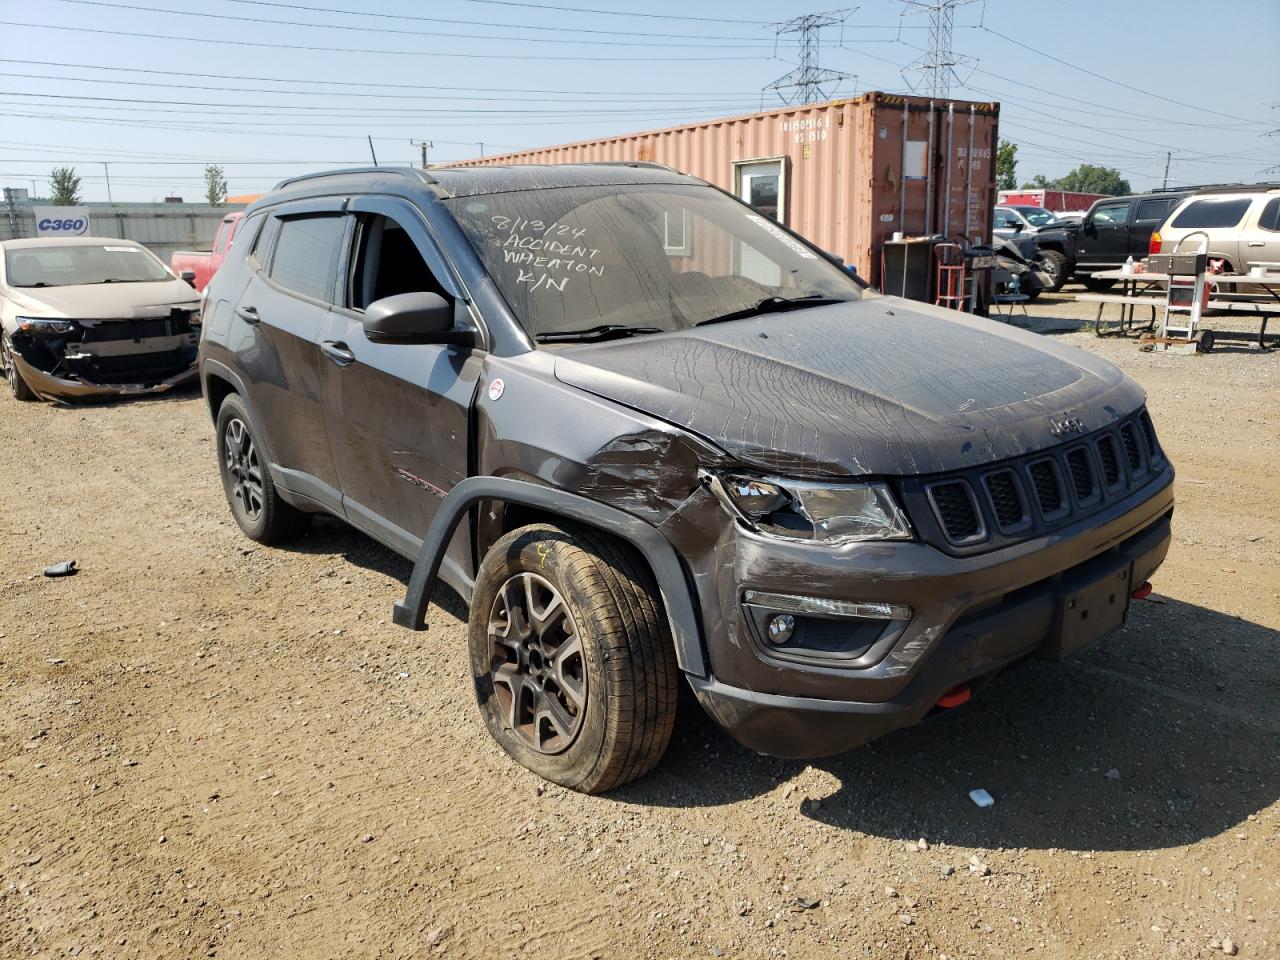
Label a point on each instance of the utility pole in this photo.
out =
(425, 145)
(1167, 157)
(936, 67)
(805, 83)
(107, 170)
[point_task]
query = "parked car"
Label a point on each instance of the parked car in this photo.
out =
(92, 317)
(1116, 229)
(198, 267)
(1242, 227)
(1055, 240)
(641, 462)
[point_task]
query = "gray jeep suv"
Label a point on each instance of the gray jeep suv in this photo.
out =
(650, 435)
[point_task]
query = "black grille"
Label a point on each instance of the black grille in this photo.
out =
(956, 510)
(1149, 431)
(1129, 437)
(1081, 474)
(1110, 460)
(110, 330)
(1005, 499)
(1049, 493)
(991, 506)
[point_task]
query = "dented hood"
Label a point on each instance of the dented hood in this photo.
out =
(879, 386)
(106, 301)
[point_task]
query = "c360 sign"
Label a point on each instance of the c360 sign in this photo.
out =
(61, 221)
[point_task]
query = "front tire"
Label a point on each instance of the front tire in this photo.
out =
(1055, 263)
(251, 493)
(573, 664)
(17, 386)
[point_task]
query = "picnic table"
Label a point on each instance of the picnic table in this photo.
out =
(1254, 296)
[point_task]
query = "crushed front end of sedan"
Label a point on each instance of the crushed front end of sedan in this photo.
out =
(90, 317)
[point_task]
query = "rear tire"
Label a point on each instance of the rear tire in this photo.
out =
(246, 480)
(17, 386)
(1097, 284)
(573, 664)
(1056, 266)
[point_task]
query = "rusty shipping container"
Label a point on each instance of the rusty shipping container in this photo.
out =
(847, 174)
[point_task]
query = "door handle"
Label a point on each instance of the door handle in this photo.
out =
(248, 314)
(337, 351)
(1257, 243)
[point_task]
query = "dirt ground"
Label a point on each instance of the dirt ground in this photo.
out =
(209, 748)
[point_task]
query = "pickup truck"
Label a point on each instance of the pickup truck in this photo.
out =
(1117, 228)
(197, 267)
(1055, 239)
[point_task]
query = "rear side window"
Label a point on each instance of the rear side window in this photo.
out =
(1155, 209)
(1269, 219)
(1208, 214)
(307, 252)
(262, 242)
(1111, 213)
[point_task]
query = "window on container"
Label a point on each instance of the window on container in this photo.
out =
(1111, 213)
(762, 185)
(1155, 210)
(1216, 213)
(1269, 219)
(307, 253)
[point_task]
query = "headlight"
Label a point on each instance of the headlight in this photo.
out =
(803, 510)
(38, 325)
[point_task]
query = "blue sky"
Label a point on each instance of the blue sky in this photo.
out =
(155, 89)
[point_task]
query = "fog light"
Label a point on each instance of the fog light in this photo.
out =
(780, 628)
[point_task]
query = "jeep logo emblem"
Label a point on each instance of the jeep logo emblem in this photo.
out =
(1061, 426)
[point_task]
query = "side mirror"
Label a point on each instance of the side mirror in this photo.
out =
(189, 276)
(1017, 226)
(413, 318)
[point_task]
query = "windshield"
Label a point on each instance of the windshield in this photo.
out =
(1038, 216)
(654, 256)
(82, 263)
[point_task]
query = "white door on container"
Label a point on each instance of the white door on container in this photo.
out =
(760, 186)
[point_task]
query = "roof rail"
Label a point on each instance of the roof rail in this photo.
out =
(647, 164)
(409, 173)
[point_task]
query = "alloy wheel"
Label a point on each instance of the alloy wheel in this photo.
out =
(244, 468)
(537, 664)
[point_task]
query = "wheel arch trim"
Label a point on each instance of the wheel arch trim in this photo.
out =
(658, 552)
(214, 368)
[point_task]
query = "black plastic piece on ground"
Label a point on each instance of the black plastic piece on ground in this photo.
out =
(67, 568)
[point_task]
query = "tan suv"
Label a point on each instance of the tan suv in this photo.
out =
(1243, 227)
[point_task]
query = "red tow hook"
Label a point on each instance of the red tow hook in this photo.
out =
(955, 696)
(1143, 591)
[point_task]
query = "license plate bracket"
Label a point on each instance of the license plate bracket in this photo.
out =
(1090, 611)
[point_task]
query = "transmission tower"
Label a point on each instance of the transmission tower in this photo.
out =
(936, 67)
(805, 83)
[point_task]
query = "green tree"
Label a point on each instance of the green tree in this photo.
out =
(215, 185)
(64, 187)
(1086, 178)
(1006, 165)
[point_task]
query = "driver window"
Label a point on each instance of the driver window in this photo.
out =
(1111, 213)
(387, 263)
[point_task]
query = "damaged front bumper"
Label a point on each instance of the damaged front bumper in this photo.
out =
(109, 358)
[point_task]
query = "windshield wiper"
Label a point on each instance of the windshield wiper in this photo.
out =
(120, 280)
(605, 331)
(774, 305)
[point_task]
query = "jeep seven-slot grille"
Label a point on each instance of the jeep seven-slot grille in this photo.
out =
(1017, 499)
(956, 510)
(1005, 499)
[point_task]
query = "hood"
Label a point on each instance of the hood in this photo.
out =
(879, 386)
(106, 301)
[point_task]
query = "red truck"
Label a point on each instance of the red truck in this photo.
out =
(1058, 201)
(198, 267)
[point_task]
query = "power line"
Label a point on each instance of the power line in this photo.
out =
(755, 42)
(1112, 80)
(136, 35)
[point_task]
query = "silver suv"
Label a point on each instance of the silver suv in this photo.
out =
(1243, 227)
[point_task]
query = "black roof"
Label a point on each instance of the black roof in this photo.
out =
(476, 181)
